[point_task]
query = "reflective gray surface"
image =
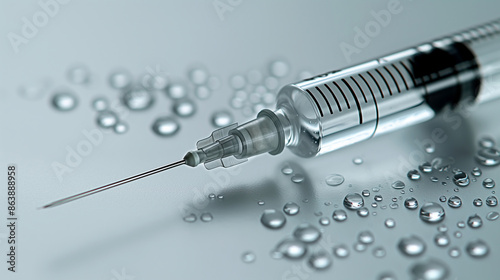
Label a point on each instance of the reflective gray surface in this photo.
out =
(138, 230)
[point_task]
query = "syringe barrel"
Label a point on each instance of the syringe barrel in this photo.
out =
(339, 108)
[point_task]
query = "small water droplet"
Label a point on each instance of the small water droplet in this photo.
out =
(475, 221)
(100, 104)
(431, 269)
(487, 142)
(357, 161)
(457, 234)
(379, 252)
(334, 180)
(492, 216)
(378, 198)
(220, 196)
(461, 224)
(305, 200)
(442, 239)
(398, 185)
(442, 228)
(202, 92)
(328, 203)
(359, 247)
(477, 202)
(297, 178)
(341, 251)
(429, 148)
(461, 179)
(366, 237)
(273, 219)
(287, 170)
(190, 218)
(120, 128)
(432, 213)
(442, 198)
(390, 223)
(138, 99)
(222, 118)
(120, 79)
(365, 193)
(454, 201)
(211, 196)
(353, 201)
(106, 119)
(492, 201)
(206, 217)
(476, 172)
(324, 221)
(363, 212)
(320, 260)
(411, 246)
(425, 167)
(307, 233)
(410, 189)
(184, 108)
(279, 68)
(411, 203)
(78, 75)
(248, 257)
(292, 249)
(434, 179)
(177, 91)
(456, 189)
(198, 76)
(394, 205)
(165, 126)
(454, 252)
(413, 175)
(64, 101)
(387, 276)
(339, 215)
(488, 156)
(488, 183)
(477, 249)
(261, 202)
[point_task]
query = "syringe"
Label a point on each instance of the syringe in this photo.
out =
(336, 109)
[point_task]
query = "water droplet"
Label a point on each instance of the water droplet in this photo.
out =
(411, 203)
(279, 68)
(305, 200)
(100, 104)
(474, 221)
(461, 224)
(366, 237)
(292, 249)
(206, 217)
(198, 76)
(359, 247)
(291, 208)
(237, 82)
(454, 252)
(492, 201)
(120, 79)
(190, 218)
(297, 178)
(287, 170)
(222, 118)
(413, 175)
(425, 167)
(334, 180)
(488, 183)
(248, 257)
(374, 205)
(386, 276)
(353, 201)
(211, 196)
(456, 189)
(220, 196)
(320, 260)
(410, 189)
(328, 203)
(442, 239)
(177, 91)
(318, 213)
(431, 269)
(378, 198)
(64, 101)
(78, 75)
(138, 99)
(476, 172)
(365, 193)
(488, 156)
(357, 161)
(487, 142)
(442, 198)
(379, 252)
(339, 215)
(184, 108)
(394, 205)
(363, 212)
(261, 202)
(457, 234)
(341, 251)
(398, 185)
(120, 128)
(324, 221)
(461, 179)
(442, 228)
(202, 92)
(307, 233)
(444, 183)
(454, 201)
(432, 213)
(477, 249)
(273, 219)
(411, 246)
(165, 126)
(477, 202)
(106, 119)
(434, 179)
(429, 148)
(390, 223)
(492, 216)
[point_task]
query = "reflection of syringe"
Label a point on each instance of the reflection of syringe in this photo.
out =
(339, 108)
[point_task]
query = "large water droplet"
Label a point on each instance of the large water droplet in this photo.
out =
(138, 99)
(339, 215)
(431, 269)
(363, 212)
(353, 201)
(442, 239)
(64, 101)
(320, 260)
(307, 233)
(398, 185)
(492, 216)
(190, 218)
(492, 201)
(488, 156)
(411, 246)
(477, 249)
(184, 108)
(454, 201)
(106, 119)
(475, 221)
(461, 179)
(425, 167)
(287, 170)
(378, 198)
(292, 249)
(248, 257)
(297, 178)
(413, 175)
(432, 213)
(486, 142)
(334, 180)
(165, 126)
(411, 203)
(366, 237)
(273, 219)
(222, 118)
(477, 202)
(365, 193)
(291, 208)
(488, 183)
(206, 217)
(476, 172)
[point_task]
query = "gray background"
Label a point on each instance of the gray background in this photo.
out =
(139, 228)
